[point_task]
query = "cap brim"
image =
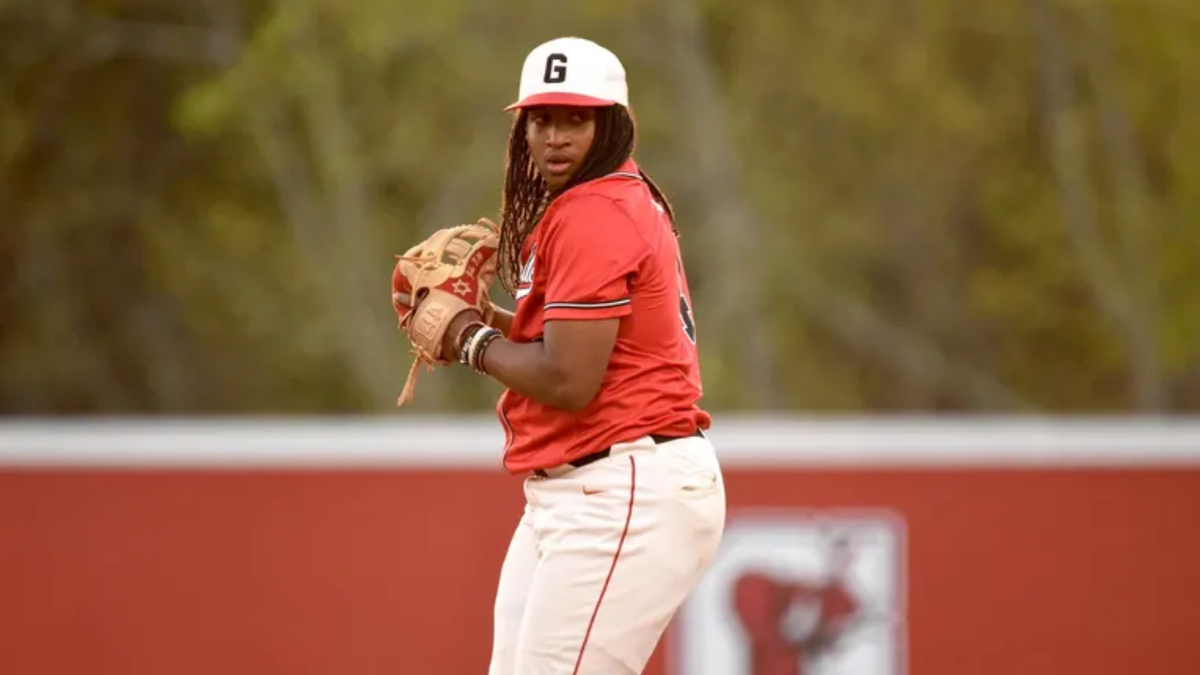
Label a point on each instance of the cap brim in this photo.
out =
(561, 98)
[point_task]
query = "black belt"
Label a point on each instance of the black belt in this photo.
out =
(658, 439)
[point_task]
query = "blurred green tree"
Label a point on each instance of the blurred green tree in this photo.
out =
(923, 206)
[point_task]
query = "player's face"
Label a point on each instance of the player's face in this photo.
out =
(559, 137)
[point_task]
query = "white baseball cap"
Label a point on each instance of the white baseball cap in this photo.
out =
(572, 71)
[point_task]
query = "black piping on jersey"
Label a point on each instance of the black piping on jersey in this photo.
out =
(586, 305)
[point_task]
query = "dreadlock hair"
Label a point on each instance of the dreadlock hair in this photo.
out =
(526, 195)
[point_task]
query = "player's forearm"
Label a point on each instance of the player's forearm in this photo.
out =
(529, 369)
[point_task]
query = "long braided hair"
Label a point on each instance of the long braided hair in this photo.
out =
(526, 195)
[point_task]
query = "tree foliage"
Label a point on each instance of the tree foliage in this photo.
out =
(918, 206)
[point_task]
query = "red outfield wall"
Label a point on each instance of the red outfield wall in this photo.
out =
(133, 567)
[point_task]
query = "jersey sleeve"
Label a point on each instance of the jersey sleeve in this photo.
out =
(591, 253)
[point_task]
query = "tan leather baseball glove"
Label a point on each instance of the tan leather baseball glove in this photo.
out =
(445, 275)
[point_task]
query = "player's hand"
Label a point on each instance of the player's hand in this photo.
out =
(457, 324)
(449, 343)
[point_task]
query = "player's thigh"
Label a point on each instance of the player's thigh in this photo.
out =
(622, 549)
(516, 577)
(673, 537)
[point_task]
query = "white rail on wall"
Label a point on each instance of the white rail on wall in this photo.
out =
(476, 442)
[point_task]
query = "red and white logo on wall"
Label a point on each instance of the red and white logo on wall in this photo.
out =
(800, 593)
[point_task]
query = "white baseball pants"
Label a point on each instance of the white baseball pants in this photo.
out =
(604, 556)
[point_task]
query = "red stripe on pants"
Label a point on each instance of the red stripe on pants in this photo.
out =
(613, 567)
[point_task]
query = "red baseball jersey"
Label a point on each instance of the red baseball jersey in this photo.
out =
(606, 249)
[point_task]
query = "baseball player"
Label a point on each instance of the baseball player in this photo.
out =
(625, 496)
